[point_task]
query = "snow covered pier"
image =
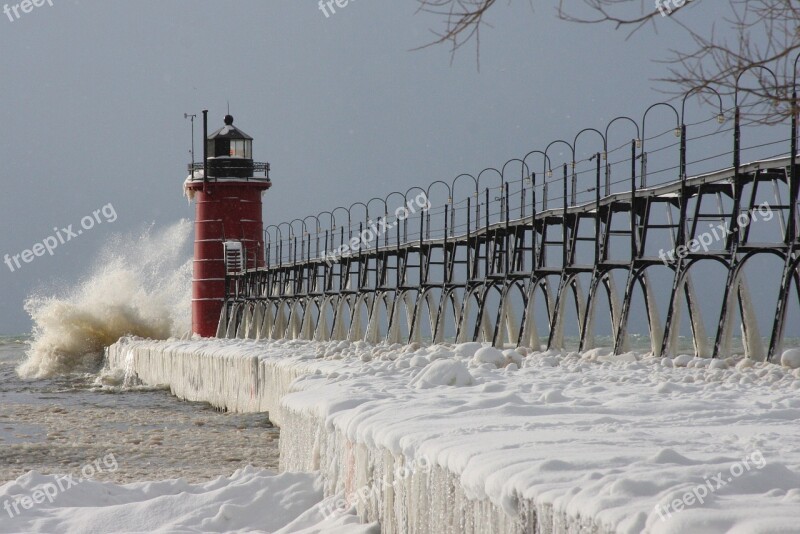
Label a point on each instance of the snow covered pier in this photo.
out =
(467, 438)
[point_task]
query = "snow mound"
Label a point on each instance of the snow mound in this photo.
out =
(440, 353)
(489, 355)
(791, 358)
(553, 396)
(669, 456)
(443, 373)
(320, 520)
(467, 350)
(419, 361)
(513, 357)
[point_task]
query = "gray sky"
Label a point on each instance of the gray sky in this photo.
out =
(93, 96)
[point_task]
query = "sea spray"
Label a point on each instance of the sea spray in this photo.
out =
(139, 286)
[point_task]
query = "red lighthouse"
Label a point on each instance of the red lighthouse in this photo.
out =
(228, 217)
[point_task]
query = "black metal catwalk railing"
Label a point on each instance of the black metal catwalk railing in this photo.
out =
(506, 265)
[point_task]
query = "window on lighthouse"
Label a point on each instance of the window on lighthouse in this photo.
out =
(241, 148)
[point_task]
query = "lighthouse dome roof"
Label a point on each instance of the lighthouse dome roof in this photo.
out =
(229, 131)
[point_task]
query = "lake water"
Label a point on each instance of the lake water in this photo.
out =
(58, 425)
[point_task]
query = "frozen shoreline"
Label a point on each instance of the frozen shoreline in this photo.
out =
(564, 442)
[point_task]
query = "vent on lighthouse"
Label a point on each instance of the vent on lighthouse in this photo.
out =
(234, 257)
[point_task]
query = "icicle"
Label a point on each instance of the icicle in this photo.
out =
(589, 338)
(656, 331)
(394, 330)
(265, 329)
(223, 321)
(508, 323)
(754, 348)
(531, 336)
(280, 323)
(373, 327)
(675, 329)
(255, 322)
(307, 328)
(321, 333)
(230, 333)
(700, 338)
(356, 333)
(247, 313)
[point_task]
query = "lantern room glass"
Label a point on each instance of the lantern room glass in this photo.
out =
(241, 148)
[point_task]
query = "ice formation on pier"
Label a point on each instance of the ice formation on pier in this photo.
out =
(507, 441)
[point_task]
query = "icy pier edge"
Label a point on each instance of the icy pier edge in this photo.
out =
(373, 479)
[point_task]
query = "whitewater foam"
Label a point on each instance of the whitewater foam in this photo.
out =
(139, 286)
